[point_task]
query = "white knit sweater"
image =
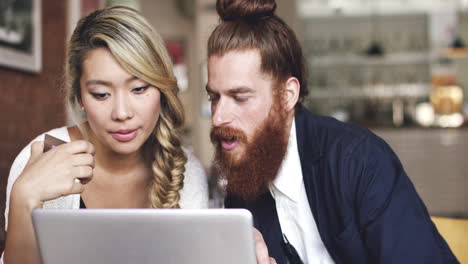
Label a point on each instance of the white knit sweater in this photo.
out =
(194, 194)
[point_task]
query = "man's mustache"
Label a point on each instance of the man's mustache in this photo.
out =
(218, 133)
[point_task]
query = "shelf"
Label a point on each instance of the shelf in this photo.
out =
(353, 60)
(413, 90)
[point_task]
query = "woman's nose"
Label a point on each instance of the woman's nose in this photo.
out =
(122, 109)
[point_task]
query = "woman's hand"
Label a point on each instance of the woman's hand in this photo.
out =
(261, 249)
(56, 173)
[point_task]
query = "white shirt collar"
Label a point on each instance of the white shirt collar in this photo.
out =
(289, 179)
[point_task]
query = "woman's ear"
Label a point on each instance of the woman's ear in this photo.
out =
(79, 102)
(292, 90)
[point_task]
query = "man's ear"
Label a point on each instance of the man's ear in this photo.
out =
(292, 90)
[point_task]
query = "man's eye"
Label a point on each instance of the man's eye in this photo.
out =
(212, 97)
(241, 99)
(100, 96)
(141, 89)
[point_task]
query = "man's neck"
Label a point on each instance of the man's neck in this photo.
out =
(289, 123)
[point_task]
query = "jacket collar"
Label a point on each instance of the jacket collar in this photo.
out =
(307, 135)
(288, 182)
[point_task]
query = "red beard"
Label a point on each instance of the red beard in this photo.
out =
(251, 174)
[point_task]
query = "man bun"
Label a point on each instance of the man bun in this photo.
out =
(230, 10)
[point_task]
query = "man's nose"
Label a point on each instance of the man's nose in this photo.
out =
(221, 114)
(122, 109)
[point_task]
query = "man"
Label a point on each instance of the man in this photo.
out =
(320, 191)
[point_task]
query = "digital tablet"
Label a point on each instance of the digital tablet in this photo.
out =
(166, 236)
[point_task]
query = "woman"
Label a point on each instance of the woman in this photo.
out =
(126, 150)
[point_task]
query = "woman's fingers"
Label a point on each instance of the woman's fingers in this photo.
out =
(52, 174)
(36, 151)
(81, 172)
(79, 146)
(83, 159)
(77, 187)
(261, 248)
(84, 174)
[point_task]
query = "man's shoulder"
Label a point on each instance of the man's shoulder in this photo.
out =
(329, 136)
(327, 129)
(336, 129)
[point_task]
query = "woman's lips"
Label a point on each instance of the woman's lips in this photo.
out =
(124, 135)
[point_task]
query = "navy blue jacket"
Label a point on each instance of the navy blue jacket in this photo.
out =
(365, 206)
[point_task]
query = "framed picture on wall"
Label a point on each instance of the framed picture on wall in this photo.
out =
(20, 35)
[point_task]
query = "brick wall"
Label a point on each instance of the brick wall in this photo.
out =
(32, 103)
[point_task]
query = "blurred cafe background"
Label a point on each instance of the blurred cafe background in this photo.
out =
(397, 67)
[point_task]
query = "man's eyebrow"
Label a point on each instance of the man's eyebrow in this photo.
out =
(242, 89)
(208, 89)
(237, 90)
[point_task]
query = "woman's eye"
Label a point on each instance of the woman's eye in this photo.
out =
(141, 89)
(100, 96)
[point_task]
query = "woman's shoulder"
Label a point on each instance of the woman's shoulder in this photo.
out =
(192, 161)
(195, 191)
(23, 156)
(194, 171)
(60, 133)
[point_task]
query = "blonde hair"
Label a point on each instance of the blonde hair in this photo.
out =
(141, 51)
